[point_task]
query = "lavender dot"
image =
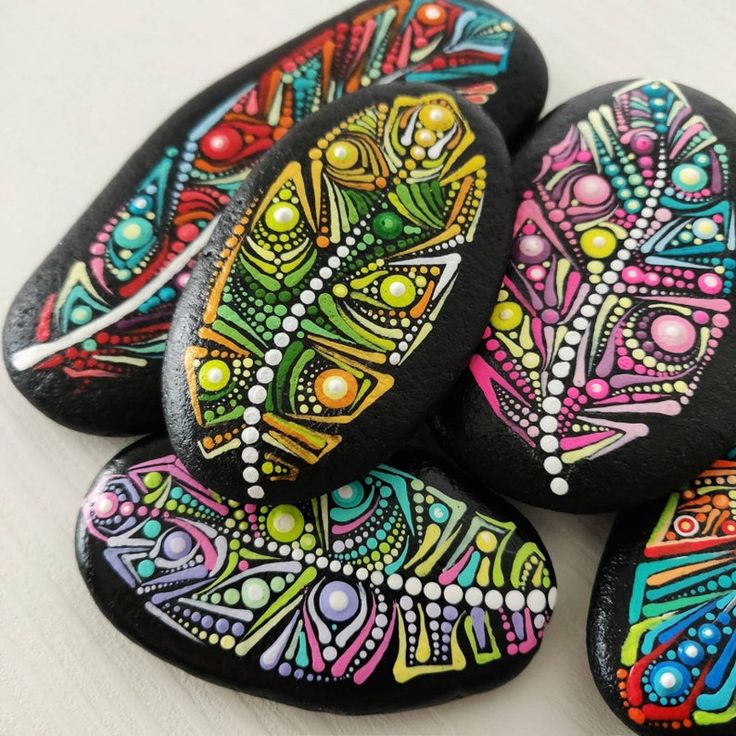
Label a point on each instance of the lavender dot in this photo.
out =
(449, 612)
(284, 668)
(238, 629)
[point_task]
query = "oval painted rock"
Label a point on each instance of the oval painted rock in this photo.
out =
(662, 621)
(340, 296)
(393, 591)
(606, 373)
(85, 337)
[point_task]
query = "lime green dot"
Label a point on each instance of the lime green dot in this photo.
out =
(282, 217)
(255, 593)
(308, 542)
(152, 480)
(285, 523)
(214, 375)
(398, 291)
(232, 596)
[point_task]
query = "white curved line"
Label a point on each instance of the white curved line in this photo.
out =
(30, 356)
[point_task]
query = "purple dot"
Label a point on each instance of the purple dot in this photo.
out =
(238, 629)
(531, 249)
(222, 626)
(285, 669)
(449, 612)
(207, 622)
(177, 545)
(196, 616)
(338, 601)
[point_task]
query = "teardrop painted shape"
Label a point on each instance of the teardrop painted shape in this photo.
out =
(606, 371)
(85, 337)
(393, 591)
(662, 621)
(341, 295)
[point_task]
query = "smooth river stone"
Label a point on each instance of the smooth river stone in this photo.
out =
(85, 337)
(392, 592)
(606, 373)
(341, 294)
(662, 621)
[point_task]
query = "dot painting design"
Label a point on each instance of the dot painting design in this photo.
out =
(617, 293)
(678, 662)
(330, 281)
(111, 315)
(383, 570)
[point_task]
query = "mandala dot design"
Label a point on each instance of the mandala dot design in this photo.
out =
(330, 281)
(383, 573)
(677, 661)
(109, 317)
(618, 292)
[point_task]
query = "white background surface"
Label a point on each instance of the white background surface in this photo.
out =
(82, 83)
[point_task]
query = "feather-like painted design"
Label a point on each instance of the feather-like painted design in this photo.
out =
(618, 290)
(111, 315)
(385, 572)
(331, 280)
(678, 661)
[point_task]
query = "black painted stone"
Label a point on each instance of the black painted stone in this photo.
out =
(85, 343)
(553, 410)
(668, 569)
(295, 369)
(392, 592)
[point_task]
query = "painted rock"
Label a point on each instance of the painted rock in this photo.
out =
(85, 337)
(391, 592)
(606, 373)
(342, 293)
(662, 622)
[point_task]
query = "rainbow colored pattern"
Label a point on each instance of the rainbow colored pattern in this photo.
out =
(678, 662)
(618, 291)
(110, 317)
(382, 569)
